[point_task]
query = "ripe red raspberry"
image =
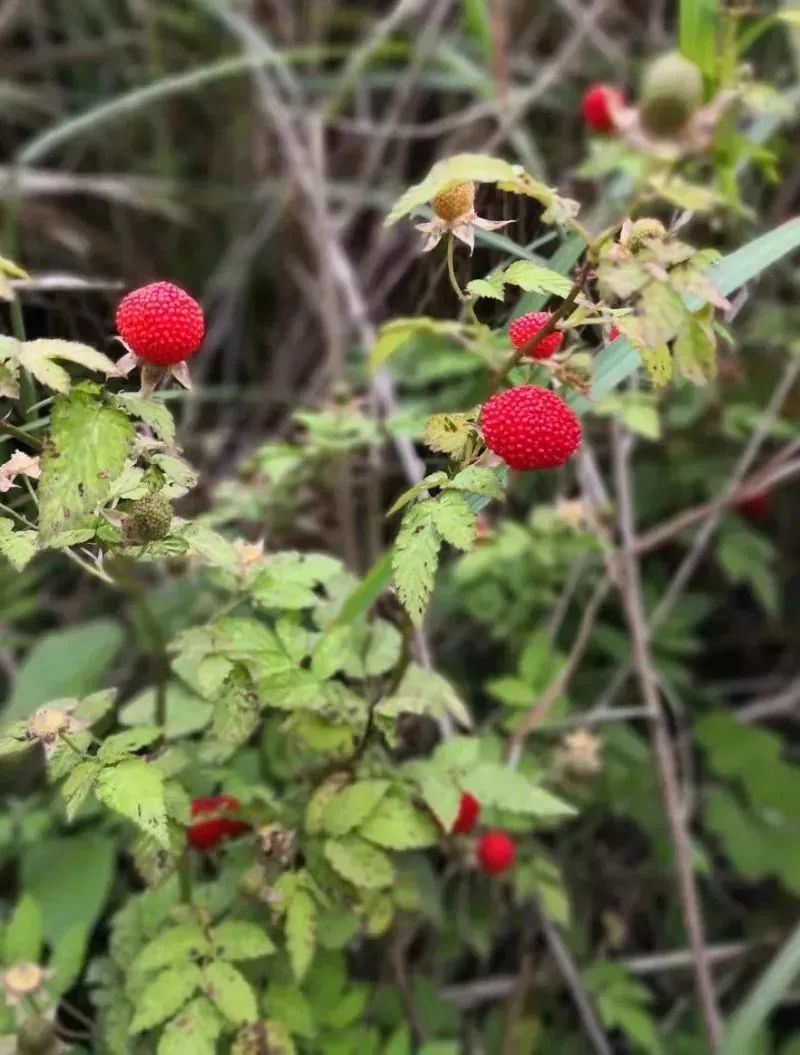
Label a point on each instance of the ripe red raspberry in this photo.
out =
(755, 508)
(613, 333)
(161, 323)
(206, 834)
(598, 105)
(468, 812)
(525, 329)
(496, 852)
(530, 428)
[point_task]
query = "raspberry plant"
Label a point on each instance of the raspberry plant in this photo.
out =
(296, 790)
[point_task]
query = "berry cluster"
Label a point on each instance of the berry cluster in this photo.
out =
(495, 851)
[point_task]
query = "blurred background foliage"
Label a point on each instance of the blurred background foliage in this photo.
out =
(147, 139)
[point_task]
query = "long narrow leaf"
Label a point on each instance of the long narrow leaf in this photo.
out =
(764, 997)
(699, 22)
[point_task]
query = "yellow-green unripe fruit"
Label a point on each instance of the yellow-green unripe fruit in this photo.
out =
(36, 1036)
(643, 231)
(151, 517)
(672, 90)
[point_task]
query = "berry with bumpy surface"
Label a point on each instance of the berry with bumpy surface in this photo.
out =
(220, 823)
(598, 105)
(151, 517)
(161, 323)
(648, 229)
(530, 428)
(525, 329)
(672, 89)
(496, 852)
(755, 508)
(455, 202)
(468, 812)
(613, 333)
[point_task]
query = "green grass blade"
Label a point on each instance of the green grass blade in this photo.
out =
(699, 22)
(764, 997)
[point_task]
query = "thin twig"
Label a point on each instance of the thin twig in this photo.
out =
(539, 711)
(631, 592)
(564, 308)
(572, 978)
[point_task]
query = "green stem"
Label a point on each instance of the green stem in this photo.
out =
(67, 739)
(21, 435)
(563, 309)
(451, 267)
(185, 878)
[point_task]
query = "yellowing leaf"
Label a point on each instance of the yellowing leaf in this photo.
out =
(449, 434)
(301, 932)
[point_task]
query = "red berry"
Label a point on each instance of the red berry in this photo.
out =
(598, 105)
(530, 428)
(219, 825)
(468, 811)
(496, 852)
(756, 507)
(525, 329)
(161, 323)
(613, 333)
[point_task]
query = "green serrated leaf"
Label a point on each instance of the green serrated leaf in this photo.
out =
(301, 932)
(535, 278)
(454, 520)
(135, 790)
(359, 863)
(84, 454)
(431, 480)
(230, 992)
(476, 481)
(152, 411)
(415, 557)
(493, 286)
(398, 825)
(393, 335)
(78, 786)
(177, 945)
(18, 547)
(195, 1030)
(23, 937)
(37, 357)
(238, 940)
(352, 805)
(494, 784)
(164, 996)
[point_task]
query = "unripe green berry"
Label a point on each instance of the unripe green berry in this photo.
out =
(36, 1036)
(644, 231)
(672, 90)
(150, 518)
